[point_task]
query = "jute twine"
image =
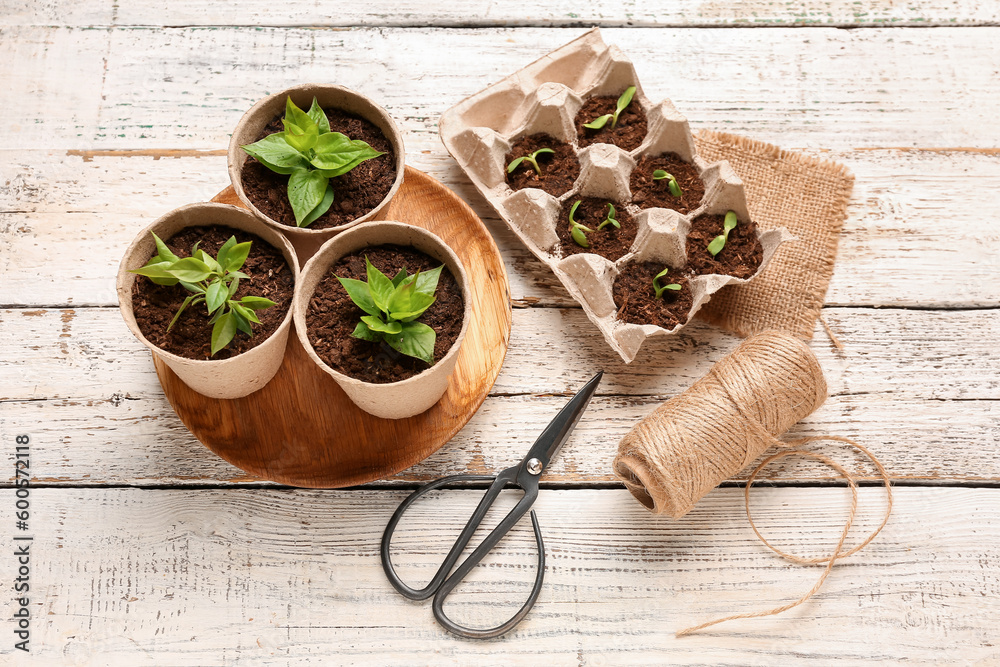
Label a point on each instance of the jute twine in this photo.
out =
(722, 423)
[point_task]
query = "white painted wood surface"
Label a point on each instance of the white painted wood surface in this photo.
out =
(223, 577)
(123, 112)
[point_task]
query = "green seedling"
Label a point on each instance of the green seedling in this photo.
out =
(672, 185)
(311, 154)
(719, 242)
(670, 286)
(213, 281)
(392, 306)
(530, 159)
(610, 219)
(576, 230)
(623, 102)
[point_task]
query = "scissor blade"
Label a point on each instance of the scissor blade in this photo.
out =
(559, 429)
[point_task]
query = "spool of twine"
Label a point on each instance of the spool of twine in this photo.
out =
(721, 424)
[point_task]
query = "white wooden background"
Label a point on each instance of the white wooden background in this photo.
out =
(150, 550)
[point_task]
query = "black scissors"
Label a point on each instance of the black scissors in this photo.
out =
(524, 476)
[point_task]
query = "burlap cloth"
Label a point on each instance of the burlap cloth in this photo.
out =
(803, 194)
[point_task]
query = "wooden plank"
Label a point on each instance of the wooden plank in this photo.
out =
(130, 441)
(71, 216)
(87, 387)
(124, 576)
(907, 87)
(88, 354)
(607, 13)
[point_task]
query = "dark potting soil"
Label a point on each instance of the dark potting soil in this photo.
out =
(610, 242)
(649, 193)
(559, 171)
(741, 256)
(637, 302)
(332, 316)
(155, 305)
(354, 194)
(627, 134)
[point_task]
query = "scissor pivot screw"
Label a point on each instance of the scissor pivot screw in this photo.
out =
(534, 466)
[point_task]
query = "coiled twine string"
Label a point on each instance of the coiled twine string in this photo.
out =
(722, 423)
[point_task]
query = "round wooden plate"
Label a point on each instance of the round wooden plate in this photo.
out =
(302, 430)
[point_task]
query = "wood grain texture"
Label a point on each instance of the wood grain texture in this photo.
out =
(907, 87)
(254, 577)
(82, 400)
(618, 13)
(302, 429)
(909, 216)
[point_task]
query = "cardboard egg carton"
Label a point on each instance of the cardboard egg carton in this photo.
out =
(545, 97)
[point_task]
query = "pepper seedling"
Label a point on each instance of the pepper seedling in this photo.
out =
(610, 219)
(213, 281)
(658, 289)
(392, 306)
(623, 102)
(576, 230)
(672, 185)
(530, 159)
(311, 154)
(719, 242)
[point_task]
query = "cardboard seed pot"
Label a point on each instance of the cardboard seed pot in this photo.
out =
(393, 400)
(216, 378)
(545, 97)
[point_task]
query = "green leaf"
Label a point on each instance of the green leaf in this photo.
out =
(237, 256)
(407, 302)
(245, 313)
(364, 333)
(301, 131)
(542, 151)
(514, 164)
(337, 154)
(717, 244)
(256, 302)
(416, 340)
(674, 187)
(306, 190)
(233, 286)
(673, 287)
(162, 251)
(187, 302)
(274, 152)
(158, 273)
(216, 295)
(624, 100)
(223, 253)
(399, 277)
(323, 207)
(319, 117)
(237, 274)
(659, 175)
(427, 281)
(598, 122)
(192, 287)
(579, 237)
(730, 223)
(380, 286)
(376, 324)
(572, 211)
(209, 261)
(223, 332)
(241, 322)
(360, 294)
(190, 270)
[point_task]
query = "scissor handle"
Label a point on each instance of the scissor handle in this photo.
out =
(441, 584)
